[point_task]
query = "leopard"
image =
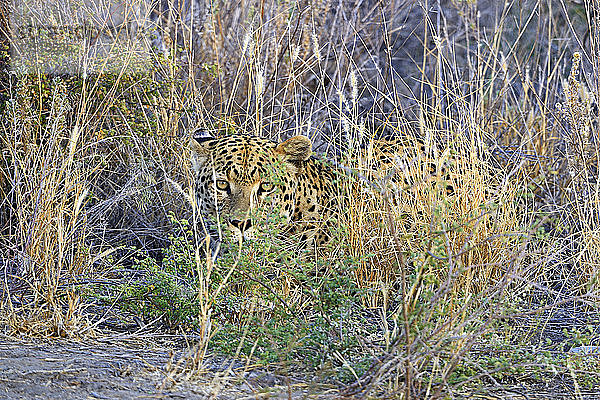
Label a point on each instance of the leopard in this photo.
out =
(237, 174)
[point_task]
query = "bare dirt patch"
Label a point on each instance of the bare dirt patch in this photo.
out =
(61, 369)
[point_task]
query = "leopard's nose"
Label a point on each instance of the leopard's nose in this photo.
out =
(242, 225)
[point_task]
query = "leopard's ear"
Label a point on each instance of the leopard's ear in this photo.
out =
(200, 148)
(202, 135)
(297, 148)
(198, 142)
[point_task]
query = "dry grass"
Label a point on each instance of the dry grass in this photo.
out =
(48, 238)
(485, 197)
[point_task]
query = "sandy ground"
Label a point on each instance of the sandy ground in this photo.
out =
(91, 370)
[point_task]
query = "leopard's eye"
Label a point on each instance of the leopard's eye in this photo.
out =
(266, 186)
(222, 185)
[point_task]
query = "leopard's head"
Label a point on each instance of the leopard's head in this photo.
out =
(235, 175)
